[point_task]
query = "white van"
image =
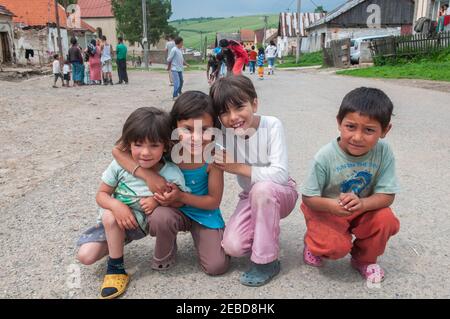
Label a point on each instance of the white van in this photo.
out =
(355, 50)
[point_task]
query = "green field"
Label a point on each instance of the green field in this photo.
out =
(435, 66)
(213, 25)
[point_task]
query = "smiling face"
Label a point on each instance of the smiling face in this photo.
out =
(359, 133)
(241, 118)
(147, 154)
(192, 133)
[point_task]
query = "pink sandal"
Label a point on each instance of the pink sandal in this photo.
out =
(371, 272)
(310, 259)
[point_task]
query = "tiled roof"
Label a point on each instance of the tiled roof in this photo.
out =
(96, 8)
(247, 35)
(5, 11)
(35, 12)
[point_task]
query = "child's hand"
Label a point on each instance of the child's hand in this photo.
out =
(124, 217)
(169, 197)
(337, 210)
(225, 163)
(350, 202)
(157, 184)
(148, 204)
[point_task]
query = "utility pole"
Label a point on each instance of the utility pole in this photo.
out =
(299, 42)
(61, 53)
(144, 34)
(265, 30)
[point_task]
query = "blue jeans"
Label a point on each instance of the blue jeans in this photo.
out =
(271, 61)
(252, 66)
(177, 83)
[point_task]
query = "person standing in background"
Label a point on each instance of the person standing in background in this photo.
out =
(121, 51)
(169, 46)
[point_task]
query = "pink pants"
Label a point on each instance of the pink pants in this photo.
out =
(255, 225)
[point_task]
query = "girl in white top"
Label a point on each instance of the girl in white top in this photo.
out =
(258, 157)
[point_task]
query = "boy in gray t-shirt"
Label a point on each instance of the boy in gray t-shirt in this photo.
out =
(350, 187)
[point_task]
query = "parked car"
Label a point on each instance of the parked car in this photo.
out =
(355, 50)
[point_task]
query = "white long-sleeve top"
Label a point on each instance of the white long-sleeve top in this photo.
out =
(266, 152)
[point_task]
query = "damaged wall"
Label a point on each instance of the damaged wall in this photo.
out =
(41, 40)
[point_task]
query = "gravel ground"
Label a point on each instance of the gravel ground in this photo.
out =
(57, 142)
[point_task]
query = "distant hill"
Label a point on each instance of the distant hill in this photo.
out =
(189, 28)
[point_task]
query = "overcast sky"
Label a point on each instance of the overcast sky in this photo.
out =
(227, 8)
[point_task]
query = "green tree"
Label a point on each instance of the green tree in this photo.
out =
(66, 3)
(320, 9)
(128, 15)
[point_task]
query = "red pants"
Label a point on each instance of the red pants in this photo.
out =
(330, 236)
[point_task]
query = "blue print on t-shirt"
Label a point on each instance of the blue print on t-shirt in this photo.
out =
(357, 183)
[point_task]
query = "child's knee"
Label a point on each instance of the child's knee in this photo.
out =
(385, 220)
(86, 257)
(233, 248)
(108, 219)
(262, 190)
(218, 267)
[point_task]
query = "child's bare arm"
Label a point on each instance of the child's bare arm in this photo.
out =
(155, 182)
(215, 191)
(377, 201)
(328, 205)
(149, 204)
(121, 212)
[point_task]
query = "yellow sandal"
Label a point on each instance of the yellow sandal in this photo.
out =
(118, 281)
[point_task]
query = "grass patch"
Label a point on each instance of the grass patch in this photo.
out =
(306, 59)
(435, 66)
(190, 29)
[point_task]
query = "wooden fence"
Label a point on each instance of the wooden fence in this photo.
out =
(409, 45)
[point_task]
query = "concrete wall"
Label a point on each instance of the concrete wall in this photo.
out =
(341, 33)
(288, 46)
(160, 57)
(108, 26)
(43, 42)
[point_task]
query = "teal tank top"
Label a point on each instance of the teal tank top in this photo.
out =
(197, 181)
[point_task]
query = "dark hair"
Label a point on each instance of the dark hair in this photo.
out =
(73, 40)
(232, 91)
(178, 40)
(219, 56)
(261, 50)
(145, 123)
(190, 105)
(55, 56)
(103, 38)
(120, 39)
(253, 47)
(224, 43)
(370, 102)
(272, 42)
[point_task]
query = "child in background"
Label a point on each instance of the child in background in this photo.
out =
(122, 196)
(252, 56)
(268, 193)
(260, 63)
(66, 72)
(57, 71)
(350, 187)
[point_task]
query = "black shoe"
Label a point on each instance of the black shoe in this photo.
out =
(105, 83)
(120, 82)
(111, 82)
